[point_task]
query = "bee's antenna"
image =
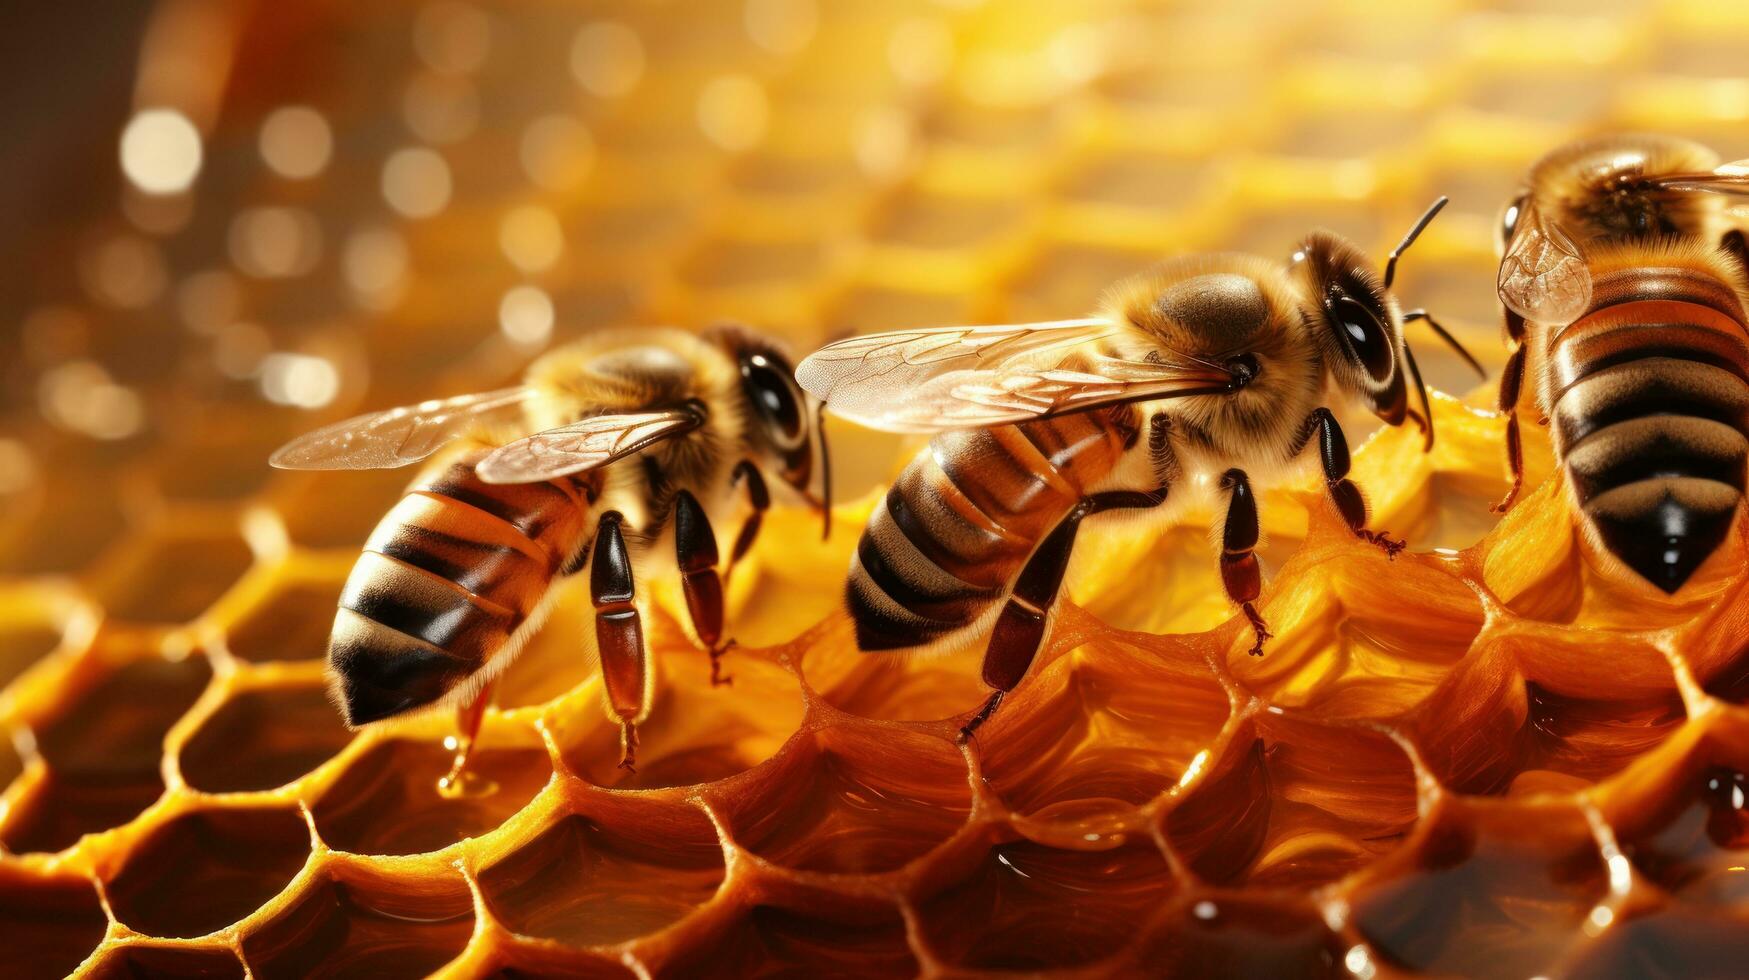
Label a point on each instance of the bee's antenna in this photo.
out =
(1426, 405)
(1450, 341)
(1409, 239)
(825, 473)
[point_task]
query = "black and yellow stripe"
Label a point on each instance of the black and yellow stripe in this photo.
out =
(447, 577)
(1650, 407)
(960, 522)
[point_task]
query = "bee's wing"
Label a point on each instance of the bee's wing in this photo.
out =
(970, 377)
(583, 445)
(1732, 178)
(1543, 277)
(398, 436)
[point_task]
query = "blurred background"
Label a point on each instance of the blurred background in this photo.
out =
(231, 221)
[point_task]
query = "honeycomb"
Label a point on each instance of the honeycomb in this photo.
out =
(1489, 756)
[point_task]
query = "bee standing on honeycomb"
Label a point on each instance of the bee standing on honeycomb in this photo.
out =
(1205, 369)
(1624, 286)
(638, 435)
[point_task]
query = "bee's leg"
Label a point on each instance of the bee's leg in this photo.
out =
(1020, 627)
(619, 631)
(467, 719)
(695, 546)
(1511, 382)
(760, 500)
(1240, 574)
(1333, 453)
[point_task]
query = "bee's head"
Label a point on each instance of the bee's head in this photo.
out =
(784, 423)
(1608, 188)
(1356, 321)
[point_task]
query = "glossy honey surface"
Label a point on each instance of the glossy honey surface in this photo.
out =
(1491, 756)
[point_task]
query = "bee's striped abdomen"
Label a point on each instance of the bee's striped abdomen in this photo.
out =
(960, 522)
(447, 577)
(1650, 406)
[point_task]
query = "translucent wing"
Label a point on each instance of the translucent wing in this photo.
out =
(969, 377)
(582, 445)
(398, 436)
(1543, 278)
(1732, 178)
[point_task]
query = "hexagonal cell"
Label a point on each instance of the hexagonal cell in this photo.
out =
(103, 752)
(207, 869)
(1239, 936)
(1537, 741)
(776, 942)
(170, 576)
(1453, 509)
(626, 871)
(1584, 740)
(263, 739)
(11, 765)
(896, 688)
(868, 800)
(1675, 942)
(532, 961)
(1525, 877)
(1106, 729)
(387, 801)
(61, 809)
(142, 961)
(1376, 639)
(1729, 679)
(354, 924)
(49, 925)
(26, 639)
(1010, 913)
(291, 623)
(695, 733)
(1688, 830)
(1297, 806)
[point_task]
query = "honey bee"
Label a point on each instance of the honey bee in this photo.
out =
(1624, 291)
(1199, 371)
(638, 436)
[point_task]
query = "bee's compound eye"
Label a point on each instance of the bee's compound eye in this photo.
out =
(1244, 369)
(1363, 335)
(769, 386)
(1509, 219)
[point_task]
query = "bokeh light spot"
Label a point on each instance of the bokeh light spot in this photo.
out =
(160, 151)
(296, 142)
(416, 182)
(525, 314)
(607, 59)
